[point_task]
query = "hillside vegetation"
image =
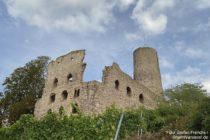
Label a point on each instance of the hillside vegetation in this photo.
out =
(188, 108)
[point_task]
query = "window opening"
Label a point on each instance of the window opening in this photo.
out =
(76, 93)
(128, 91)
(52, 98)
(65, 94)
(141, 98)
(55, 82)
(117, 83)
(70, 77)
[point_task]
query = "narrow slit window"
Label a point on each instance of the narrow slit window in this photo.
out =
(52, 98)
(76, 93)
(117, 83)
(64, 94)
(141, 98)
(55, 82)
(129, 92)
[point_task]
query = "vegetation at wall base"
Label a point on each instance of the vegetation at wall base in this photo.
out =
(170, 115)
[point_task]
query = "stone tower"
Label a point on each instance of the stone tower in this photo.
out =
(146, 69)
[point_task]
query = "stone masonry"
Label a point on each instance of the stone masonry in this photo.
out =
(64, 87)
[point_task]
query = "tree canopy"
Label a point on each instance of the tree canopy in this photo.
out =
(187, 93)
(22, 88)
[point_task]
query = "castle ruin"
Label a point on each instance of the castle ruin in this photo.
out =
(64, 87)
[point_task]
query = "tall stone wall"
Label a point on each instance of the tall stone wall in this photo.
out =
(65, 74)
(127, 94)
(65, 70)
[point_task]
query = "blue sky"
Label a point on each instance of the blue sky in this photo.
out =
(109, 30)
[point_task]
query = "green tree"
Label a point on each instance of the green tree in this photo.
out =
(201, 118)
(1, 95)
(184, 104)
(22, 88)
(187, 93)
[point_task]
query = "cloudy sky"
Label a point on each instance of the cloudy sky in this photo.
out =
(109, 30)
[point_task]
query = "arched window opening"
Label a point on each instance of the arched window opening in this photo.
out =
(70, 77)
(76, 93)
(55, 82)
(141, 98)
(64, 94)
(52, 98)
(75, 108)
(128, 91)
(117, 83)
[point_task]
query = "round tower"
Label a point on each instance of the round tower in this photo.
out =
(146, 69)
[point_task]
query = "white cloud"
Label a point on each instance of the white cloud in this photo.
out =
(166, 64)
(67, 15)
(202, 27)
(133, 36)
(202, 4)
(194, 53)
(70, 15)
(209, 22)
(27, 41)
(124, 4)
(151, 16)
(206, 84)
(190, 52)
(95, 15)
(189, 74)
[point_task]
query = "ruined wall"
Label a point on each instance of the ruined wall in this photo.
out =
(67, 69)
(64, 74)
(64, 86)
(124, 95)
(146, 69)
